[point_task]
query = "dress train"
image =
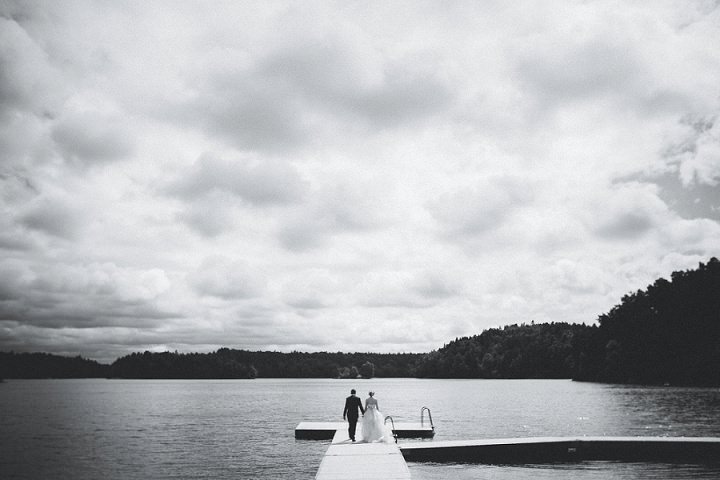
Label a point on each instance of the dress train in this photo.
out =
(374, 428)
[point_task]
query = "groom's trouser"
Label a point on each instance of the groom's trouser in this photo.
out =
(352, 425)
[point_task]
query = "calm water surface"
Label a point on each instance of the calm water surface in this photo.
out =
(236, 429)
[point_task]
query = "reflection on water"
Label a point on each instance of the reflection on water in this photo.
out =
(147, 429)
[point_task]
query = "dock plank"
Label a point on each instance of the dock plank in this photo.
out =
(347, 460)
(360, 461)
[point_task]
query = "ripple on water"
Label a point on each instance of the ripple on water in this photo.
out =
(147, 429)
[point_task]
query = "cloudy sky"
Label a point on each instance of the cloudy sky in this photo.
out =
(355, 176)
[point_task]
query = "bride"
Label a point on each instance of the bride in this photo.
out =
(373, 424)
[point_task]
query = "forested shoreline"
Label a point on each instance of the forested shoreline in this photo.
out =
(224, 363)
(668, 333)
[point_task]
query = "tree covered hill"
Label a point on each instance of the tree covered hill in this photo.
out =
(44, 365)
(547, 350)
(668, 333)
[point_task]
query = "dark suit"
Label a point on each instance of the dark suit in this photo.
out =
(352, 405)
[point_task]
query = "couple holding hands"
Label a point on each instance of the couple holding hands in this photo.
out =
(373, 424)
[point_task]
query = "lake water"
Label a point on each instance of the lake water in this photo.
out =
(237, 429)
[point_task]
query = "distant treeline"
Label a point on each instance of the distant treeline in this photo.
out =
(45, 365)
(224, 363)
(228, 363)
(544, 350)
(666, 334)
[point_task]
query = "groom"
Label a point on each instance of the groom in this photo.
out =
(352, 404)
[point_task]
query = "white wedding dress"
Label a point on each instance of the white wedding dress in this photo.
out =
(373, 424)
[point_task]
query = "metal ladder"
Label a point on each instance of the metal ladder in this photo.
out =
(422, 417)
(393, 426)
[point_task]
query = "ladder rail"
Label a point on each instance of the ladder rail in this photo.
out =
(393, 426)
(422, 417)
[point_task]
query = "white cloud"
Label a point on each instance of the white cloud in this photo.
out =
(28, 81)
(60, 295)
(482, 207)
(332, 176)
(350, 206)
(627, 212)
(258, 183)
(54, 216)
(89, 138)
(699, 156)
(224, 278)
(305, 89)
(312, 289)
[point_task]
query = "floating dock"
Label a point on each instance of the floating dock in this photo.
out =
(567, 449)
(326, 430)
(347, 460)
